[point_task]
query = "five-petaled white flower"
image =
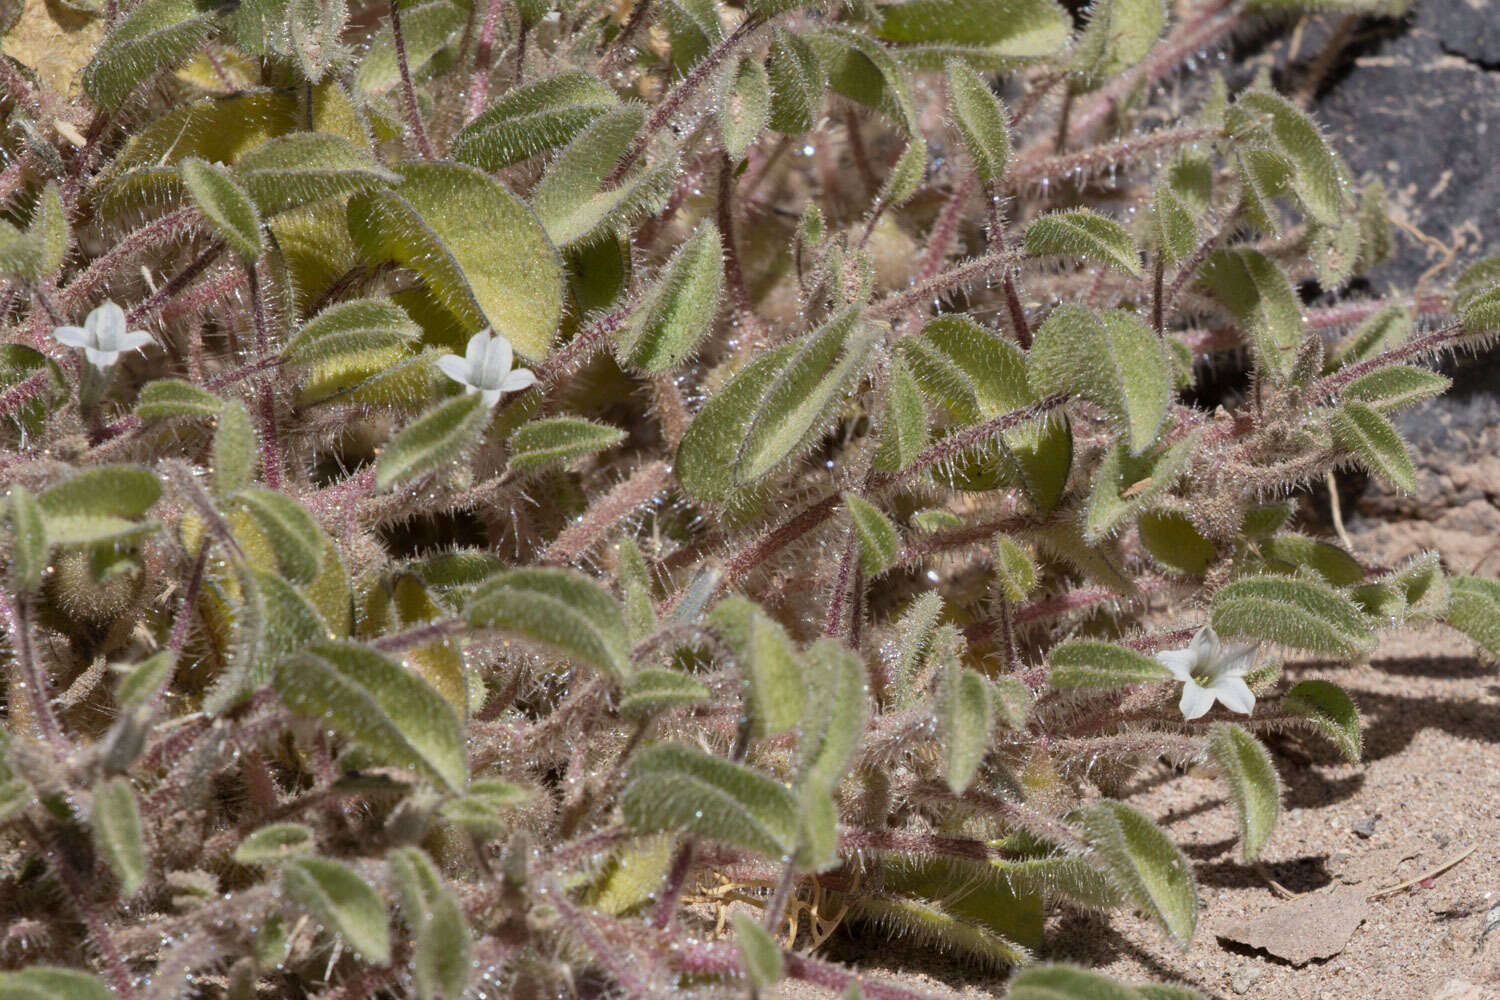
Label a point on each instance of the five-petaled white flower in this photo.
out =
(1211, 669)
(485, 367)
(103, 336)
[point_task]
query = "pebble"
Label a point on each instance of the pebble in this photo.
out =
(1365, 828)
(1244, 977)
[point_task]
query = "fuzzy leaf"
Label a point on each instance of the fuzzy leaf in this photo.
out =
(169, 397)
(558, 608)
(274, 843)
(118, 834)
(47, 982)
(292, 170)
(981, 120)
(1173, 541)
(226, 205)
(50, 228)
(677, 788)
(1293, 612)
(797, 80)
(705, 459)
(838, 710)
(636, 589)
(350, 342)
(1125, 486)
(1387, 390)
(879, 544)
(157, 35)
(1474, 609)
(743, 105)
(1086, 235)
(1481, 313)
(289, 529)
(390, 711)
(1375, 442)
(1331, 711)
(434, 439)
(1175, 231)
(1062, 982)
(679, 310)
(1090, 664)
(234, 452)
(1387, 329)
(1111, 358)
(999, 28)
(1253, 784)
(764, 962)
(862, 70)
(342, 902)
(1262, 301)
(905, 178)
(795, 405)
(441, 662)
(1150, 869)
(775, 693)
(1014, 570)
(570, 199)
(657, 690)
(426, 28)
(903, 427)
(1332, 563)
(443, 956)
(559, 439)
(103, 491)
(1118, 35)
(533, 119)
(1319, 177)
(965, 712)
(505, 274)
(28, 553)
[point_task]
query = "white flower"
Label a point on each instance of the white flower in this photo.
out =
(1210, 669)
(103, 336)
(485, 367)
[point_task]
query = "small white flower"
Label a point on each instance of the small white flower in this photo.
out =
(1212, 670)
(103, 336)
(485, 367)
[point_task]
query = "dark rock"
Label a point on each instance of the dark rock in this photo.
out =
(1365, 828)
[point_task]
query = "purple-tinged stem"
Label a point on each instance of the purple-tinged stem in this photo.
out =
(17, 621)
(76, 889)
(408, 91)
(479, 84)
(629, 495)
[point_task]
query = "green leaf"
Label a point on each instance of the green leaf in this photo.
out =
(443, 958)
(49, 227)
(557, 608)
(764, 962)
(1001, 28)
(1172, 540)
(15, 798)
(559, 439)
(28, 553)
(1387, 390)
(504, 275)
(273, 620)
(1015, 572)
(790, 414)
(289, 529)
(705, 459)
(342, 902)
(426, 29)
(234, 452)
(906, 177)
(1262, 301)
(1252, 780)
(1332, 563)
(677, 788)
(118, 834)
(1293, 612)
(169, 397)
(1331, 712)
(1118, 35)
(657, 690)
(226, 205)
(1062, 982)
(1125, 486)
(775, 693)
(533, 119)
(390, 711)
(797, 81)
(350, 342)
(275, 843)
(1086, 235)
(1481, 313)
(303, 167)
(1174, 229)
(679, 310)
(1319, 178)
(46, 982)
(571, 201)
(1385, 330)
(860, 68)
(903, 427)
(1375, 443)
(636, 589)
(1111, 358)
(1091, 664)
(982, 121)
(482, 810)
(1474, 609)
(935, 520)
(838, 709)
(743, 106)
(103, 491)
(157, 35)
(1145, 864)
(965, 713)
(437, 437)
(879, 544)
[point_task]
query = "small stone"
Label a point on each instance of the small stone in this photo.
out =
(1244, 977)
(1365, 828)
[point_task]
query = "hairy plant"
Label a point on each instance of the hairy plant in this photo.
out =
(797, 577)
